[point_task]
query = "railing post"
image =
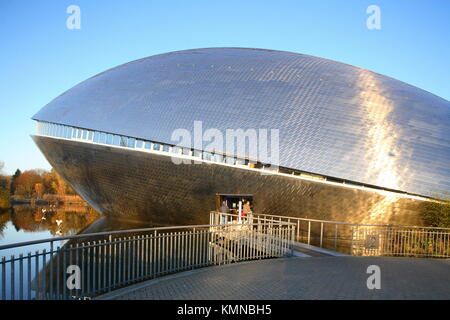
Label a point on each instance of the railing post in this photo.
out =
(29, 275)
(44, 274)
(335, 236)
(309, 232)
(21, 277)
(12, 276)
(351, 244)
(3, 264)
(51, 271)
(109, 263)
(292, 241)
(321, 234)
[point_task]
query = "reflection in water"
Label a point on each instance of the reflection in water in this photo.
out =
(4, 219)
(39, 267)
(25, 223)
(28, 223)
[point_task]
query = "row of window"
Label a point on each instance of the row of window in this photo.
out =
(68, 132)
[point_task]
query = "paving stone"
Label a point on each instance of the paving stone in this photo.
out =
(300, 278)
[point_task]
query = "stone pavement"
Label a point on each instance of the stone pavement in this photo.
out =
(301, 278)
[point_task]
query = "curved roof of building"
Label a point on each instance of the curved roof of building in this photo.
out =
(334, 119)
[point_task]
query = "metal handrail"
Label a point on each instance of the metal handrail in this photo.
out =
(368, 239)
(252, 216)
(106, 233)
(107, 263)
(351, 224)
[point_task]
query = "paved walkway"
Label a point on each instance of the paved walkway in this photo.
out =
(301, 278)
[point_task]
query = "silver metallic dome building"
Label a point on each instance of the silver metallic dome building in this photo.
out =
(337, 122)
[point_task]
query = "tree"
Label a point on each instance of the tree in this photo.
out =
(4, 199)
(39, 189)
(5, 182)
(47, 181)
(4, 179)
(436, 213)
(37, 183)
(59, 185)
(25, 183)
(15, 176)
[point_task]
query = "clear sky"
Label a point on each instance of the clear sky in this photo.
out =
(40, 57)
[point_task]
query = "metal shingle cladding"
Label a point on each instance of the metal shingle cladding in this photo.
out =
(334, 119)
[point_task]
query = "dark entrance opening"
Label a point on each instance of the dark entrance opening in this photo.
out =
(233, 201)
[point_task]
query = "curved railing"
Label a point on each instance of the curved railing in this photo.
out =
(360, 239)
(83, 266)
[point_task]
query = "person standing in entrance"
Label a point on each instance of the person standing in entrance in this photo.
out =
(224, 209)
(247, 210)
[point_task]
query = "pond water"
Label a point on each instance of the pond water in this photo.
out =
(28, 223)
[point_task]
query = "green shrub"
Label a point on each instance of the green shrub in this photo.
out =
(436, 213)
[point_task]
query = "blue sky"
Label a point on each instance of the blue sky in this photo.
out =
(40, 58)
